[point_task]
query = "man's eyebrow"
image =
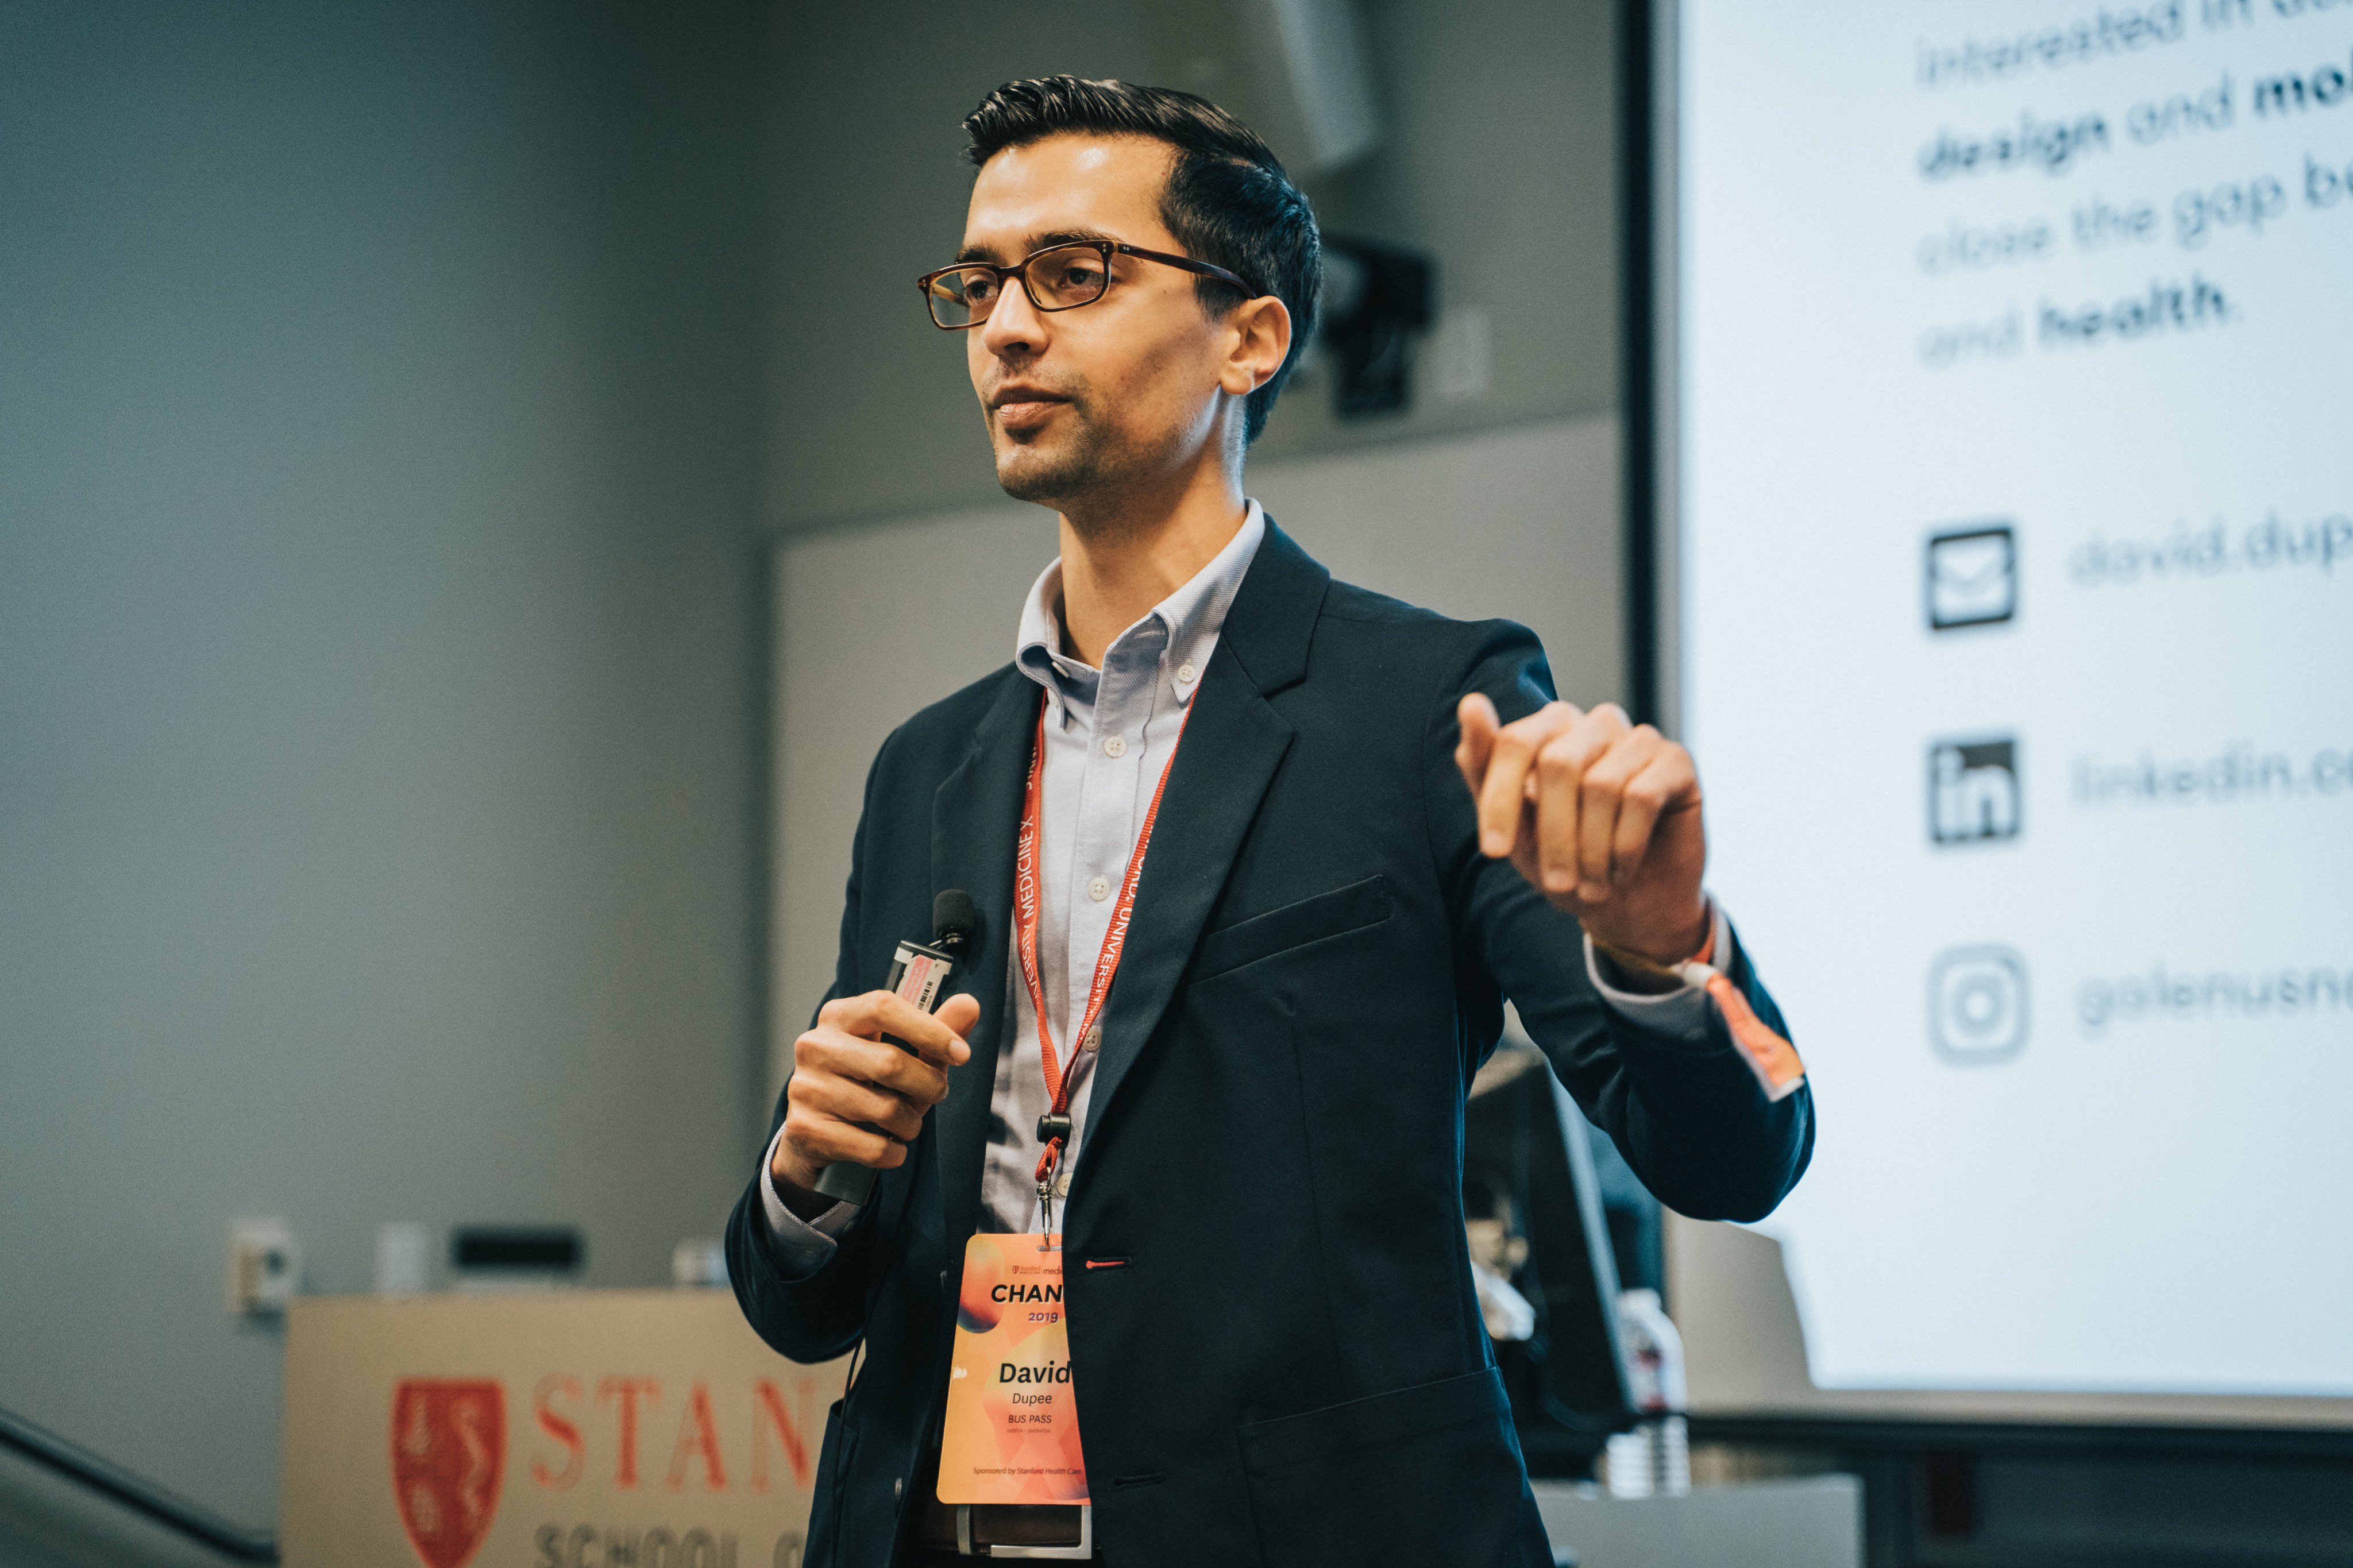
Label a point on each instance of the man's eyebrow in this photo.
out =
(1037, 242)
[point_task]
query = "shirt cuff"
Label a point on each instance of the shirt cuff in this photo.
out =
(1681, 1012)
(802, 1245)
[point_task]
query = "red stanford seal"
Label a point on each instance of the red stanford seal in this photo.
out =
(448, 1455)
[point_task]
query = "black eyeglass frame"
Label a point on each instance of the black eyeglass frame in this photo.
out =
(1019, 271)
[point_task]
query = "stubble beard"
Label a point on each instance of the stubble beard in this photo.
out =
(1087, 477)
(1051, 473)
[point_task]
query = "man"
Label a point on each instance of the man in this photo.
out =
(1321, 859)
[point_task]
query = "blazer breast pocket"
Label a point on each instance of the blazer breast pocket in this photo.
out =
(1336, 913)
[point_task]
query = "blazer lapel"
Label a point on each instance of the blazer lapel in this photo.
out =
(975, 816)
(1233, 742)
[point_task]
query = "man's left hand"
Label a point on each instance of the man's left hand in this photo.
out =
(1600, 815)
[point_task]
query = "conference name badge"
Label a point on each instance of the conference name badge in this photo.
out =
(1012, 1428)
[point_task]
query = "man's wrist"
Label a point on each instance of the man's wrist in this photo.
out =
(1658, 957)
(1635, 975)
(801, 1200)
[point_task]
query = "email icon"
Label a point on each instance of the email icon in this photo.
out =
(1972, 576)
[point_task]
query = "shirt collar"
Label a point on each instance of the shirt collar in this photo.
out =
(1190, 618)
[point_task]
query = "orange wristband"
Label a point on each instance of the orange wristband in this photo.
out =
(1772, 1058)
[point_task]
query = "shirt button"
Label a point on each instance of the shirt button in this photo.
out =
(1116, 747)
(1185, 674)
(1099, 889)
(1093, 1041)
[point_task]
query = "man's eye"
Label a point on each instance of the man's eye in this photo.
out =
(1080, 277)
(979, 288)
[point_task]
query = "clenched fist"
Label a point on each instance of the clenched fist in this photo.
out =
(1600, 815)
(857, 1099)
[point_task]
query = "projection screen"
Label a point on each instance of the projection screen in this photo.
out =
(2005, 594)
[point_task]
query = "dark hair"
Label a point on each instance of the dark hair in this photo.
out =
(1227, 200)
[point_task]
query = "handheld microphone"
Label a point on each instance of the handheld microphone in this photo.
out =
(919, 973)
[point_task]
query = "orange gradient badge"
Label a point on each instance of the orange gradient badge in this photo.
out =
(1012, 1431)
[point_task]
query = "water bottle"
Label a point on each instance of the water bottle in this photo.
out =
(1654, 1459)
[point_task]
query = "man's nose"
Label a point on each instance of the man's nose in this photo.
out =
(1015, 329)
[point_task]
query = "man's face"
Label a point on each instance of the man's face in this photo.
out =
(1089, 401)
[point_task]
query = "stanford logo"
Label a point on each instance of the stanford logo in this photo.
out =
(448, 1454)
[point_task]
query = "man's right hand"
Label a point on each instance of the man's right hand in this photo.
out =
(855, 1098)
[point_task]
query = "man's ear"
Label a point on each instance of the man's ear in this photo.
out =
(1261, 330)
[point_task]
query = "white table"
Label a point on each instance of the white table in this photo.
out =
(1808, 1521)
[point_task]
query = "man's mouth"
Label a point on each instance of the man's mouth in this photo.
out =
(1023, 408)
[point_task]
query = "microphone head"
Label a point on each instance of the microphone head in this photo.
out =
(954, 921)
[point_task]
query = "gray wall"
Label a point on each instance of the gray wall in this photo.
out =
(393, 404)
(1499, 163)
(380, 652)
(1502, 164)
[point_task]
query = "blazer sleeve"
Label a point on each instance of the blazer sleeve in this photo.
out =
(814, 1317)
(1690, 1118)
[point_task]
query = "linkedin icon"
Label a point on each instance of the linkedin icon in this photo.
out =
(1973, 793)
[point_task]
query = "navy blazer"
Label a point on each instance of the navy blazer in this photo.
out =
(1289, 1367)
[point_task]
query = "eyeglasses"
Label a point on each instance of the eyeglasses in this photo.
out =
(1058, 277)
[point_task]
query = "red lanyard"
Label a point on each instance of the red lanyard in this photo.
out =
(1025, 909)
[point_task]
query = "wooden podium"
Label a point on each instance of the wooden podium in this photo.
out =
(560, 1430)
